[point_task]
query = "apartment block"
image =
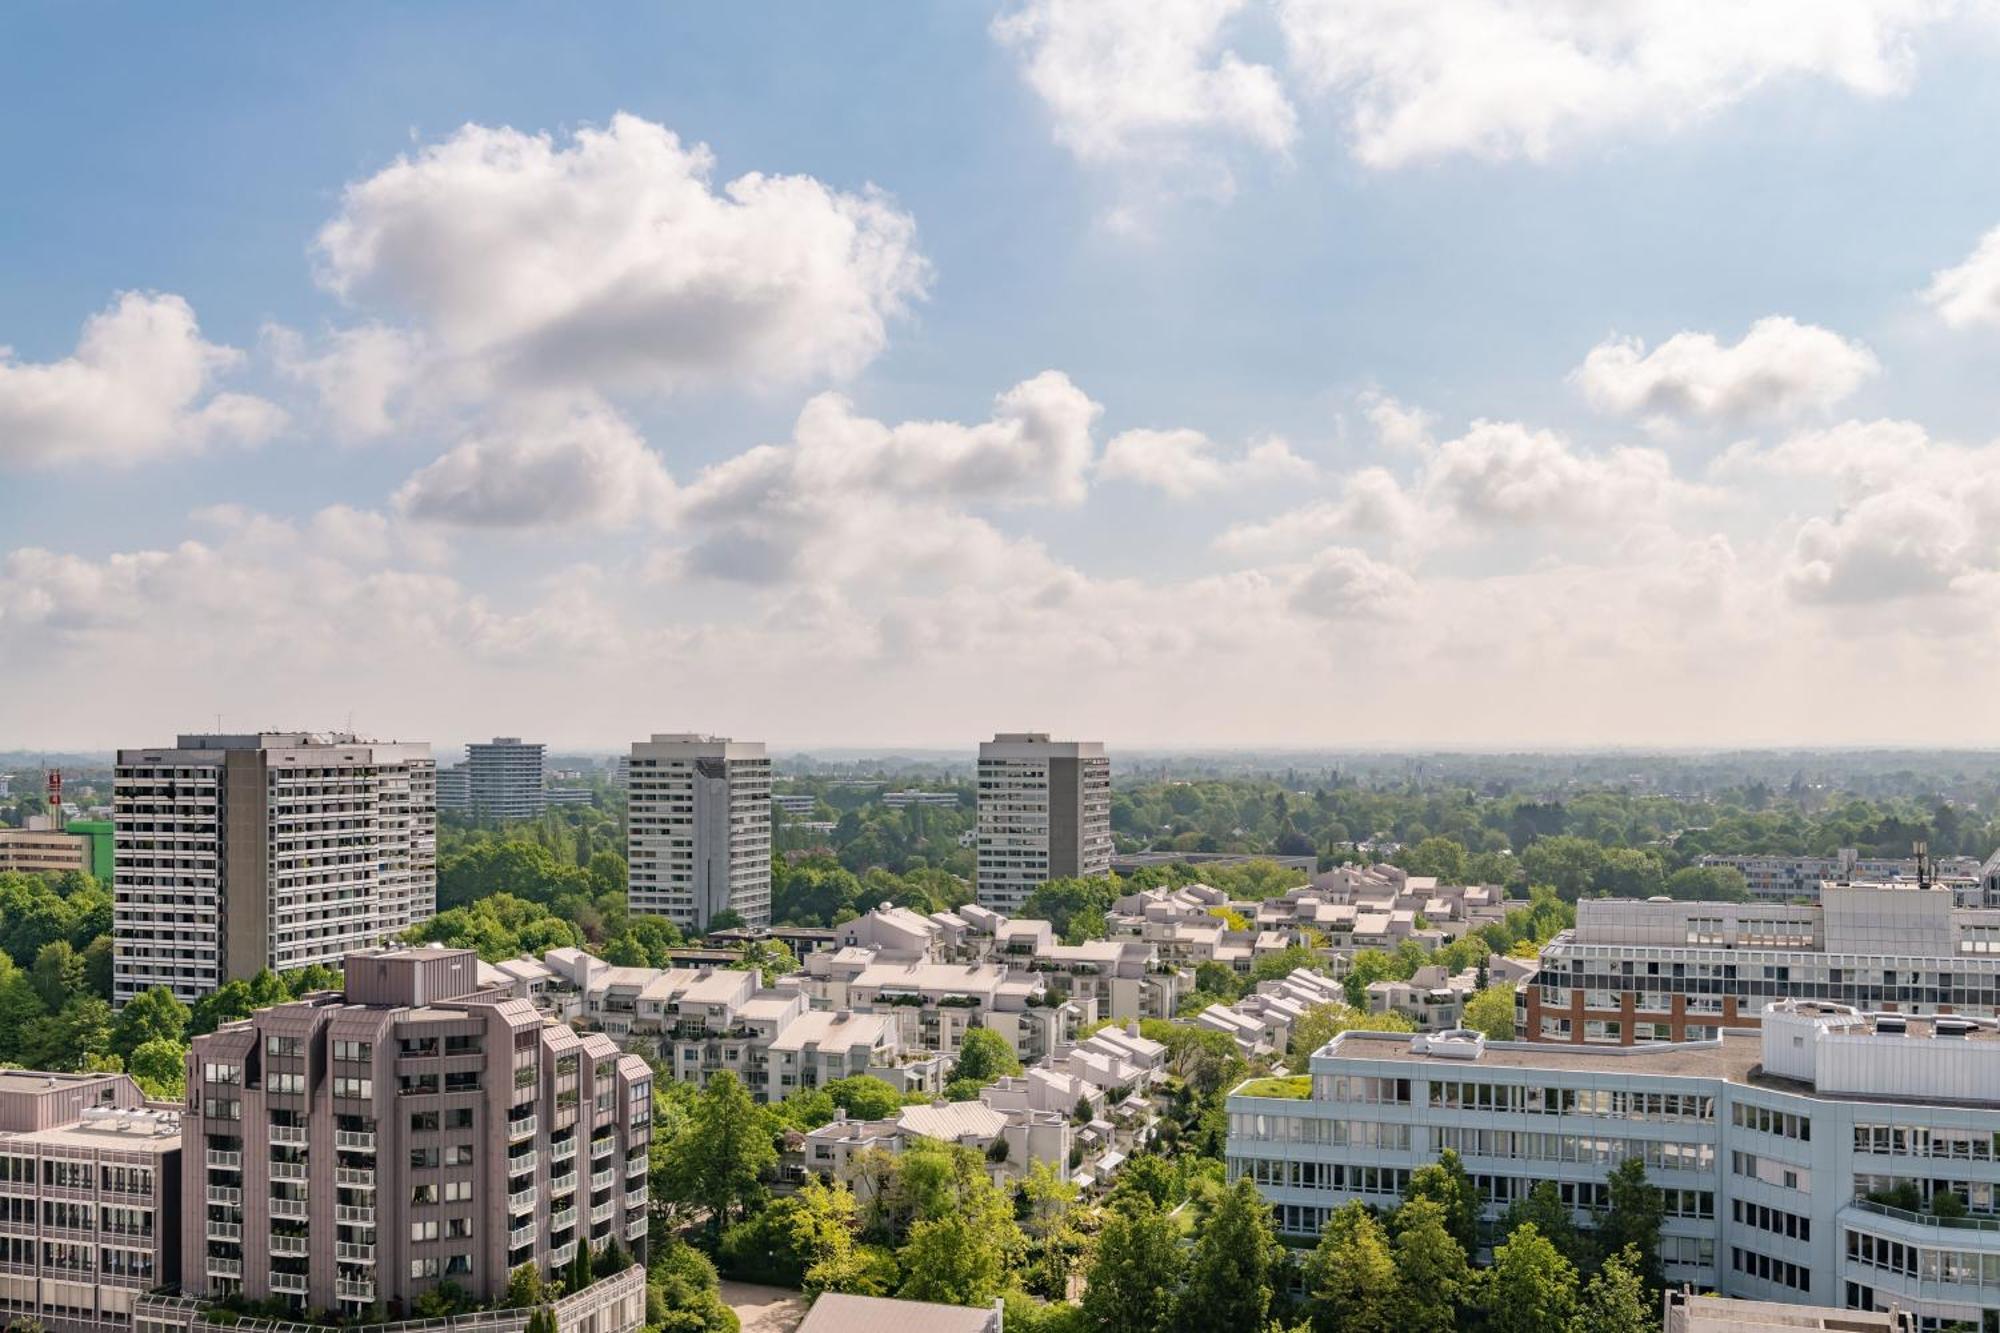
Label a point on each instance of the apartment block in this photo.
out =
(1808, 1162)
(90, 1200)
(352, 1150)
(504, 778)
(699, 841)
(278, 849)
(1044, 813)
(1661, 970)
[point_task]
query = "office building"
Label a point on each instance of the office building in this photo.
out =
(357, 1149)
(1044, 813)
(699, 842)
(278, 850)
(1808, 1162)
(90, 1199)
(1659, 970)
(505, 779)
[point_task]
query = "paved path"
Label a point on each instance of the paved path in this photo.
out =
(764, 1309)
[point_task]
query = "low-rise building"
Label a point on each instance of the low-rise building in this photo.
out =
(90, 1188)
(1806, 1162)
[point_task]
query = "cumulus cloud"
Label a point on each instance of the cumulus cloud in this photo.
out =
(849, 494)
(612, 262)
(1780, 368)
(1186, 463)
(1124, 78)
(544, 466)
(1521, 78)
(1343, 583)
(141, 384)
(1969, 294)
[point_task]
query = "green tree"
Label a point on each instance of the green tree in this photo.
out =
(1135, 1276)
(1433, 1279)
(722, 1152)
(1530, 1288)
(1633, 1220)
(1229, 1282)
(1446, 1184)
(983, 1056)
(1616, 1300)
(154, 1014)
(1492, 1011)
(1351, 1277)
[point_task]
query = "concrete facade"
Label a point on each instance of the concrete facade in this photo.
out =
(351, 1150)
(699, 841)
(279, 850)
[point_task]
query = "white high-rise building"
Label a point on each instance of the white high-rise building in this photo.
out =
(504, 778)
(1044, 813)
(277, 849)
(700, 829)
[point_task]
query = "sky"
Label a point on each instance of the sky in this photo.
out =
(1279, 373)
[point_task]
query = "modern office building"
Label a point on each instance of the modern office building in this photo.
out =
(505, 778)
(1661, 970)
(1044, 813)
(356, 1149)
(699, 839)
(1807, 1162)
(278, 849)
(90, 1199)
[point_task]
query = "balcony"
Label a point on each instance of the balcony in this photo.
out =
(524, 1128)
(354, 1177)
(354, 1289)
(291, 1208)
(564, 1150)
(601, 1180)
(347, 1212)
(292, 1135)
(224, 1267)
(224, 1230)
(356, 1139)
(225, 1161)
(288, 1170)
(348, 1252)
(563, 1184)
(225, 1194)
(293, 1283)
(520, 1162)
(288, 1245)
(562, 1220)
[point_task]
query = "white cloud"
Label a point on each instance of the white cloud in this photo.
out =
(1781, 368)
(1524, 78)
(1186, 463)
(1345, 584)
(141, 384)
(1144, 78)
(543, 465)
(1969, 294)
(849, 494)
(610, 262)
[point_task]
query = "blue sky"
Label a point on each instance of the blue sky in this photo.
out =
(1281, 268)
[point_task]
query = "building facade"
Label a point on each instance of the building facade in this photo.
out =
(1044, 813)
(1660, 970)
(1806, 1163)
(350, 1151)
(504, 778)
(90, 1188)
(699, 840)
(279, 849)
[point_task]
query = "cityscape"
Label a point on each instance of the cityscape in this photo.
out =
(1000, 666)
